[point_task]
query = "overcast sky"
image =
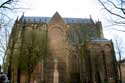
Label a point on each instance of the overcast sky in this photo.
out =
(67, 8)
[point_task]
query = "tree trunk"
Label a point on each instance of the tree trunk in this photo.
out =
(18, 75)
(29, 77)
(120, 73)
(9, 72)
(105, 67)
(119, 66)
(90, 68)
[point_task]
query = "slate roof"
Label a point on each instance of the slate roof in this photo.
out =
(28, 19)
(100, 40)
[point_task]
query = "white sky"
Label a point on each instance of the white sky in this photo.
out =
(66, 8)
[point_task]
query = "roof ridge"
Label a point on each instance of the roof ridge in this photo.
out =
(45, 19)
(51, 17)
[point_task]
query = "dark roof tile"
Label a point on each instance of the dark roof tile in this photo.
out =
(47, 19)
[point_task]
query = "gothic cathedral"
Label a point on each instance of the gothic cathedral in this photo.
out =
(60, 50)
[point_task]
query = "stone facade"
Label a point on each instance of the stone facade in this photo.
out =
(123, 71)
(69, 40)
(100, 62)
(122, 65)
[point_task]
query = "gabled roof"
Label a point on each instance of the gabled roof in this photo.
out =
(56, 18)
(34, 19)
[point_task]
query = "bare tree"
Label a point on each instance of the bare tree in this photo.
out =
(115, 13)
(10, 51)
(4, 36)
(116, 8)
(34, 49)
(7, 6)
(119, 51)
(6, 22)
(4, 43)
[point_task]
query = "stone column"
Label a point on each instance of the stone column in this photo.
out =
(56, 73)
(42, 71)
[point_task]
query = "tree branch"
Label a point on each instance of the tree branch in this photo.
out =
(120, 8)
(5, 3)
(123, 3)
(118, 30)
(106, 8)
